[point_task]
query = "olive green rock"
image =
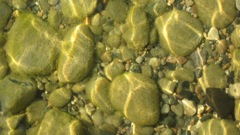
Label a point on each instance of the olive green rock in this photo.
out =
(3, 64)
(236, 58)
(114, 69)
(179, 32)
(16, 93)
(78, 9)
(216, 13)
(10, 123)
(76, 57)
(35, 111)
(167, 86)
(214, 77)
(98, 91)
(235, 37)
(137, 97)
(137, 34)
(117, 10)
(218, 127)
(60, 97)
(5, 14)
(181, 74)
(237, 109)
(157, 7)
(54, 18)
(60, 123)
(19, 4)
(31, 46)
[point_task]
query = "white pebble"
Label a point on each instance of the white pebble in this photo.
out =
(213, 34)
(238, 4)
(189, 107)
(234, 90)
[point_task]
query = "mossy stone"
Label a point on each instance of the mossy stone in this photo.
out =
(5, 14)
(237, 109)
(16, 93)
(35, 111)
(181, 74)
(215, 13)
(114, 69)
(98, 91)
(35, 55)
(60, 123)
(235, 38)
(76, 57)
(60, 97)
(137, 97)
(78, 9)
(223, 126)
(214, 77)
(179, 32)
(137, 34)
(3, 64)
(117, 10)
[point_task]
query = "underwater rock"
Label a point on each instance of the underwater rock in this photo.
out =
(179, 32)
(76, 57)
(137, 97)
(31, 46)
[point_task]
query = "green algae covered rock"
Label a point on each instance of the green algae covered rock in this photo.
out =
(78, 9)
(5, 14)
(179, 32)
(3, 64)
(35, 111)
(114, 69)
(137, 97)
(157, 7)
(216, 13)
(137, 34)
(218, 127)
(16, 93)
(237, 109)
(56, 122)
(214, 77)
(236, 58)
(60, 97)
(76, 58)
(235, 37)
(31, 46)
(98, 91)
(117, 10)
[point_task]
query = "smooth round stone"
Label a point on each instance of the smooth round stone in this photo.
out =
(35, 111)
(215, 13)
(189, 107)
(98, 91)
(177, 109)
(213, 34)
(139, 59)
(139, 130)
(60, 123)
(35, 55)
(78, 9)
(137, 97)
(181, 74)
(60, 97)
(234, 90)
(16, 93)
(137, 34)
(214, 77)
(218, 127)
(167, 131)
(235, 37)
(117, 10)
(76, 57)
(3, 64)
(236, 58)
(165, 109)
(237, 109)
(178, 22)
(114, 69)
(5, 14)
(167, 86)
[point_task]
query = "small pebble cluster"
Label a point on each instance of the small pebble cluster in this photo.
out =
(120, 67)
